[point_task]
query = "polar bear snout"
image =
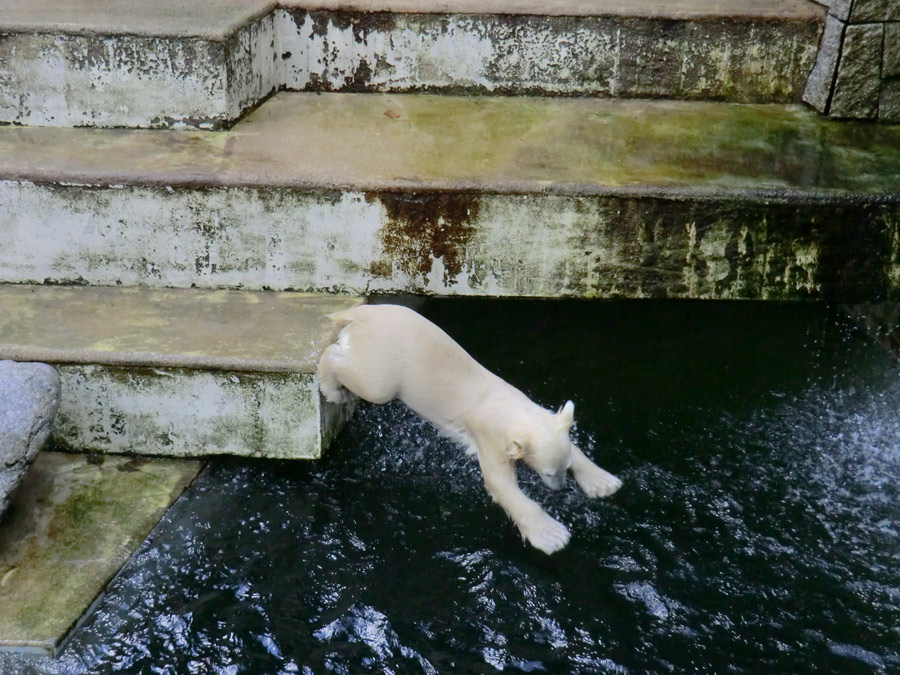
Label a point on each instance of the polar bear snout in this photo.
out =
(555, 480)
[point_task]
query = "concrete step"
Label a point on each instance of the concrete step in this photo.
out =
(73, 523)
(471, 196)
(179, 372)
(166, 63)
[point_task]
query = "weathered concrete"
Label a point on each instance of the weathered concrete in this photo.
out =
(156, 65)
(75, 522)
(615, 54)
(489, 196)
(135, 80)
(217, 18)
(681, 9)
(179, 372)
(29, 401)
(395, 143)
(212, 19)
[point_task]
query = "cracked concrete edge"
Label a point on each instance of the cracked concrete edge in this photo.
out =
(188, 414)
(149, 360)
(218, 19)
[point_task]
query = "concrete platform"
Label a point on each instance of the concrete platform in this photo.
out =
(479, 196)
(181, 373)
(169, 64)
(73, 524)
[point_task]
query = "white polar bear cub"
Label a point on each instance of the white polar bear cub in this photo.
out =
(388, 351)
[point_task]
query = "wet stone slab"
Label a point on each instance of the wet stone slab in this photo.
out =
(74, 523)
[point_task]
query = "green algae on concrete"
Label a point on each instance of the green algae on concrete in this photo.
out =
(74, 522)
(496, 144)
(471, 196)
(188, 328)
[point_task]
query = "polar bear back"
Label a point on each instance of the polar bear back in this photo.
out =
(393, 352)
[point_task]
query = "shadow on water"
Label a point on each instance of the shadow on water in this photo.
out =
(758, 529)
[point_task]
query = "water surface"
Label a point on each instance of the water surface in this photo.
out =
(758, 529)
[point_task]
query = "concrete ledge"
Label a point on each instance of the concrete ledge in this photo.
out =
(52, 79)
(73, 524)
(491, 196)
(179, 373)
(218, 18)
(156, 65)
(192, 413)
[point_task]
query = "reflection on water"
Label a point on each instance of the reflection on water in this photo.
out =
(758, 529)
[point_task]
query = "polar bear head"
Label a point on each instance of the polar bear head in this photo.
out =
(543, 443)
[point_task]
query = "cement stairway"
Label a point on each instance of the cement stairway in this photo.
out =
(166, 206)
(172, 64)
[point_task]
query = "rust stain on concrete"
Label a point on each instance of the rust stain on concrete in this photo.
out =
(422, 228)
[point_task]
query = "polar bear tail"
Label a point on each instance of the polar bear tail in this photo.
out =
(341, 319)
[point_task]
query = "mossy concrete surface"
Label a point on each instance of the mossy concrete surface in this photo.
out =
(234, 331)
(423, 142)
(75, 521)
(473, 196)
(179, 372)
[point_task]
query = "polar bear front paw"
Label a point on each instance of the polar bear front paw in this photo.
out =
(545, 533)
(595, 482)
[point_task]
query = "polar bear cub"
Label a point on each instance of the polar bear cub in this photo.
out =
(387, 351)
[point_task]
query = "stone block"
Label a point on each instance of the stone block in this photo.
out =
(858, 83)
(889, 107)
(838, 8)
(29, 400)
(874, 10)
(890, 63)
(821, 80)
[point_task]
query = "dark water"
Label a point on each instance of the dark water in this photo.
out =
(758, 530)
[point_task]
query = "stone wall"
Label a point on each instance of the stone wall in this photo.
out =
(857, 73)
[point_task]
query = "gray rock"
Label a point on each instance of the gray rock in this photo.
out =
(838, 8)
(29, 400)
(889, 108)
(875, 10)
(818, 86)
(858, 83)
(891, 64)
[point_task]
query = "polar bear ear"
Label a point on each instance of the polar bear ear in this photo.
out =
(516, 449)
(566, 415)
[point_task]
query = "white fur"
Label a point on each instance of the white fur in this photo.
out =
(387, 351)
